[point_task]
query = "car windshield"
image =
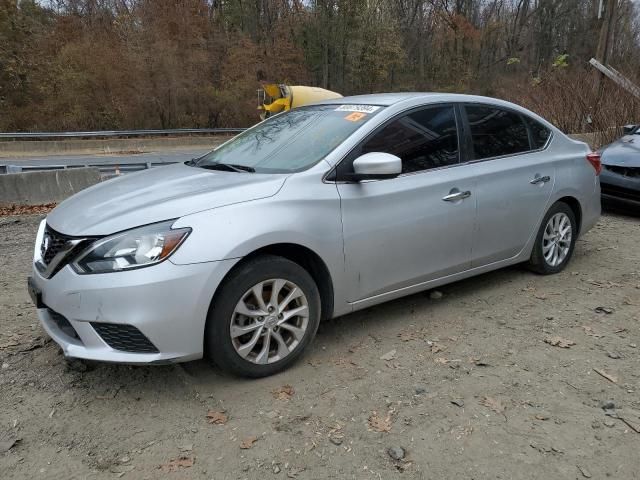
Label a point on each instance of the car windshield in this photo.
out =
(290, 142)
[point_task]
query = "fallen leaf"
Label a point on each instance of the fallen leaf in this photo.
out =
(344, 362)
(606, 375)
(478, 362)
(120, 470)
(248, 442)
(435, 295)
(295, 471)
(556, 341)
(217, 418)
(493, 404)
(388, 356)
(380, 424)
(285, 392)
(589, 331)
(585, 473)
(606, 310)
(175, 464)
(545, 449)
(408, 335)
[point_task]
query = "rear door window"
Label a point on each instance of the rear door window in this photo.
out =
(496, 132)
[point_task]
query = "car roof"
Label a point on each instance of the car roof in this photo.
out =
(388, 99)
(383, 99)
(423, 98)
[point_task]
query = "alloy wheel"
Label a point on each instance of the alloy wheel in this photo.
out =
(269, 321)
(556, 240)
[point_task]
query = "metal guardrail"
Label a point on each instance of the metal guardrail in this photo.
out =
(117, 133)
(106, 169)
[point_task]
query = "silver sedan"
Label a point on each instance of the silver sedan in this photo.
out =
(311, 214)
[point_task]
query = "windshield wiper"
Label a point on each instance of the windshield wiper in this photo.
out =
(229, 167)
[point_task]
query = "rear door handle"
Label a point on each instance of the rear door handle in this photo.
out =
(456, 196)
(538, 179)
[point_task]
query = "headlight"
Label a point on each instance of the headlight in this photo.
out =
(140, 247)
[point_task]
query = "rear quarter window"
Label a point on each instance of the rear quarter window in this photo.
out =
(539, 133)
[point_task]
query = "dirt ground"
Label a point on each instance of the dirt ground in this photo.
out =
(462, 386)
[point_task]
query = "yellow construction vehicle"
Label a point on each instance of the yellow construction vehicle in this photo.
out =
(274, 98)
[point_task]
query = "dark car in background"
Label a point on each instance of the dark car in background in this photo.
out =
(620, 177)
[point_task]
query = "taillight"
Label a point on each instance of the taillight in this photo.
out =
(594, 160)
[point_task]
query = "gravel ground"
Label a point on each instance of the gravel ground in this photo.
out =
(462, 386)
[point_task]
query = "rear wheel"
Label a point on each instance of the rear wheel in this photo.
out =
(263, 317)
(555, 241)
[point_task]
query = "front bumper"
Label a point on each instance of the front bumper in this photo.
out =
(167, 303)
(618, 188)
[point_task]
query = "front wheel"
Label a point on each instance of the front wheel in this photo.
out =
(555, 241)
(263, 317)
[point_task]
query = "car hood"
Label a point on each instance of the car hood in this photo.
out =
(624, 152)
(161, 193)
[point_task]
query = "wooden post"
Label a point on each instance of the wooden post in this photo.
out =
(604, 38)
(617, 77)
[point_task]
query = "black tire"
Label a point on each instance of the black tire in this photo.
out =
(218, 344)
(537, 261)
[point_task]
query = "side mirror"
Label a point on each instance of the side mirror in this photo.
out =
(375, 166)
(628, 129)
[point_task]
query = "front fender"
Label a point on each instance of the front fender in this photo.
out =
(237, 230)
(306, 212)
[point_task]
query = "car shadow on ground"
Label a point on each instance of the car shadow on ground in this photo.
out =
(622, 210)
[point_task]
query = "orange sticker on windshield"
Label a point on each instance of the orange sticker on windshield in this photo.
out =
(355, 116)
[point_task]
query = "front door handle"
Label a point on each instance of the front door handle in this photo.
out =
(456, 196)
(538, 179)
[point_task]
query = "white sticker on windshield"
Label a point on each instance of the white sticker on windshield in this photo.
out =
(357, 108)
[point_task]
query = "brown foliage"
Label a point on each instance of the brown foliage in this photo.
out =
(109, 64)
(10, 210)
(571, 101)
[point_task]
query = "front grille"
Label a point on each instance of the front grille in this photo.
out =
(52, 243)
(126, 338)
(631, 172)
(620, 192)
(63, 324)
